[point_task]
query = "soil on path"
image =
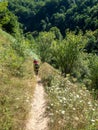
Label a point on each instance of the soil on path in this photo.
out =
(37, 119)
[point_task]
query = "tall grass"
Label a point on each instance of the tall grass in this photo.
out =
(17, 83)
(15, 95)
(70, 107)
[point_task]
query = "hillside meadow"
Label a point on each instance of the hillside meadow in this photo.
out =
(70, 105)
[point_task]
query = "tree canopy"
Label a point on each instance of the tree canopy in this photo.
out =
(40, 15)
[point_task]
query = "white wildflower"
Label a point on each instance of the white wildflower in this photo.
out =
(76, 118)
(74, 109)
(92, 120)
(52, 104)
(64, 98)
(63, 112)
(93, 109)
(17, 98)
(77, 96)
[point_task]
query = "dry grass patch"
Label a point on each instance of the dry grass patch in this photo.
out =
(15, 97)
(15, 103)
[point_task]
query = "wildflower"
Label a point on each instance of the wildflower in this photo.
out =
(60, 101)
(93, 109)
(74, 108)
(76, 118)
(77, 96)
(17, 98)
(63, 112)
(52, 104)
(92, 120)
(64, 98)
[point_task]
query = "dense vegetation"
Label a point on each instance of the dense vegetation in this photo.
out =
(70, 106)
(8, 21)
(16, 73)
(41, 15)
(63, 34)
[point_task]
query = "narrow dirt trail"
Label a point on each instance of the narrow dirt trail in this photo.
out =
(37, 119)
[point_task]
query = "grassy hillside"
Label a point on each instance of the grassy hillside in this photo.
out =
(70, 106)
(17, 83)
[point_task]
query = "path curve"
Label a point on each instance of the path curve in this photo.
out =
(37, 119)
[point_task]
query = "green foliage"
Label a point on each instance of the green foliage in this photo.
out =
(94, 71)
(41, 15)
(92, 44)
(67, 52)
(56, 31)
(8, 21)
(43, 45)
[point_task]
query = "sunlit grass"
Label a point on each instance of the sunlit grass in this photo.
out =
(15, 96)
(70, 107)
(15, 102)
(17, 83)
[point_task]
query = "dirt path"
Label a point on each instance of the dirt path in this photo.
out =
(37, 119)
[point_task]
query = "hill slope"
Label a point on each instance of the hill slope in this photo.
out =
(70, 106)
(17, 83)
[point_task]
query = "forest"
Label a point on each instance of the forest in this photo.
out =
(41, 15)
(63, 35)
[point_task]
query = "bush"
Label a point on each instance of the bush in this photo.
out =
(94, 71)
(66, 53)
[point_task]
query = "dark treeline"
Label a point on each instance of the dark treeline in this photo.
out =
(41, 15)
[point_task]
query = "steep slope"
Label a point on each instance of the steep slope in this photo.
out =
(70, 106)
(17, 83)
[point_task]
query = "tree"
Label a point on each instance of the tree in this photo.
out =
(8, 21)
(43, 45)
(67, 52)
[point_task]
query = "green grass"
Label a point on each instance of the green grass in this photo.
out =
(15, 103)
(17, 83)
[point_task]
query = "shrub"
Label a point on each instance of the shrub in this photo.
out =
(66, 53)
(94, 71)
